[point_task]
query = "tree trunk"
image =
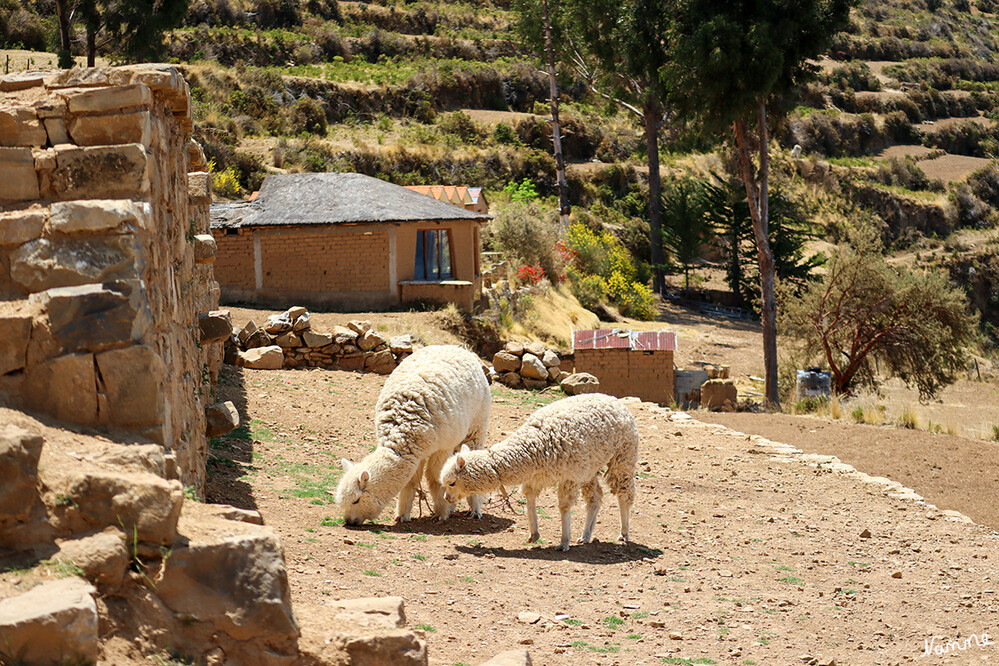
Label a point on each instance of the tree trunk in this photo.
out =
(563, 187)
(65, 46)
(91, 46)
(759, 211)
(651, 115)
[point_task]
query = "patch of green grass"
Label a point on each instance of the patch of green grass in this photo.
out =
(369, 572)
(364, 545)
(583, 645)
(613, 621)
(467, 579)
(633, 637)
(330, 521)
(384, 535)
(686, 662)
(791, 580)
(639, 615)
(62, 568)
(417, 556)
(417, 537)
(784, 567)
(429, 628)
(572, 622)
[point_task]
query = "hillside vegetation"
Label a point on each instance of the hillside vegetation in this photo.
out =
(897, 130)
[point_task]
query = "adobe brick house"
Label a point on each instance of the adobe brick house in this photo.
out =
(345, 240)
(628, 363)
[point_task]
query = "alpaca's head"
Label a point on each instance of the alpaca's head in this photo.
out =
(355, 496)
(454, 476)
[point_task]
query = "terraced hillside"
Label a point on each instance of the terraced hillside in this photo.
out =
(899, 127)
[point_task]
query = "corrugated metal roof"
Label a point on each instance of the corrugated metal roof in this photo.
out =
(622, 338)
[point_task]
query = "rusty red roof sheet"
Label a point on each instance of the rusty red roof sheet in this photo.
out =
(622, 338)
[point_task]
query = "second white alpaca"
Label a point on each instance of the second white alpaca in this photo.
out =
(436, 400)
(566, 443)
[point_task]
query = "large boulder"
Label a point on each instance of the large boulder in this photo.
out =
(215, 326)
(262, 358)
(15, 331)
(515, 348)
(531, 367)
(580, 382)
(369, 340)
(716, 392)
(314, 340)
(401, 344)
(220, 418)
(54, 623)
(144, 506)
(21, 508)
(536, 348)
(504, 361)
(550, 359)
(279, 323)
(363, 632)
(103, 557)
(382, 362)
(246, 612)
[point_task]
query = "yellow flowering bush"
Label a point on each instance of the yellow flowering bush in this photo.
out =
(602, 268)
(225, 183)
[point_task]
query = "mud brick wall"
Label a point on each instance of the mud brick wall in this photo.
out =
(105, 255)
(627, 372)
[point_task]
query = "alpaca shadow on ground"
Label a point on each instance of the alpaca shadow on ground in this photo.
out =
(456, 524)
(596, 552)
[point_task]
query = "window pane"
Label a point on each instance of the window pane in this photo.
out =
(445, 254)
(433, 267)
(420, 272)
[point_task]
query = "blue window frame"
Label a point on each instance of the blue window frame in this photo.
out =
(433, 255)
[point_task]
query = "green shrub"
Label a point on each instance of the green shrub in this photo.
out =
(635, 299)
(590, 290)
(521, 192)
(308, 116)
(460, 124)
(527, 232)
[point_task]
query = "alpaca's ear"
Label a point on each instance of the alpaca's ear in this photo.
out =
(465, 449)
(362, 480)
(346, 464)
(461, 462)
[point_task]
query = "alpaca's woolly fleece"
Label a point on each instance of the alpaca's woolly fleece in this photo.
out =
(566, 443)
(435, 401)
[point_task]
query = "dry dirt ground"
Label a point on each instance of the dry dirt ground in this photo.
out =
(738, 556)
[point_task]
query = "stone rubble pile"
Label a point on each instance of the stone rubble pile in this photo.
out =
(534, 366)
(287, 340)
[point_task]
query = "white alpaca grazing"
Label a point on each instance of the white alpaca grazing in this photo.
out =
(567, 443)
(436, 400)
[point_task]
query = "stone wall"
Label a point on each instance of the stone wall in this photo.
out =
(105, 256)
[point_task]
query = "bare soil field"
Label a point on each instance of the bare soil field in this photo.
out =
(18, 60)
(905, 150)
(950, 168)
(488, 117)
(737, 556)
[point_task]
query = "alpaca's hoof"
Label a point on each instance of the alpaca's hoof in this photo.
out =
(441, 519)
(401, 519)
(533, 538)
(564, 547)
(475, 513)
(623, 538)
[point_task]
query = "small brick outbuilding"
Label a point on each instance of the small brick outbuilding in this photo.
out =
(345, 240)
(628, 363)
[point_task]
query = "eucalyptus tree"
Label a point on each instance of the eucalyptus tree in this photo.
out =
(731, 65)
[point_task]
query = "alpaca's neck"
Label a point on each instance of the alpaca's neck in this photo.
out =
(490, 469)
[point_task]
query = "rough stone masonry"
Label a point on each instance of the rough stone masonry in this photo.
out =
(105, 257)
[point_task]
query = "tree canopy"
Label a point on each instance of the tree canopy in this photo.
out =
(866, 315)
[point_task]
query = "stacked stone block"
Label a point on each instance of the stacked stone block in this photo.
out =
(287, 340)
(105, 255)
(532, 366)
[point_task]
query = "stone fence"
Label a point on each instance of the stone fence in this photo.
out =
(105, 256)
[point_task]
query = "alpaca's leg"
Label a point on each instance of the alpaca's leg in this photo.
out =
(567, 493)
(532, 512)
(404, 505)
(442, 509)
(476, 440)
(591, 495)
